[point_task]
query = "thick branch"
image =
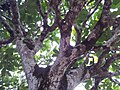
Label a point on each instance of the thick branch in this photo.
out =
(16, 17)
(67, 56)
(103, 23)
(26, 54)
(75, 76)
(76, 7)
(66, 24)
(29, 64)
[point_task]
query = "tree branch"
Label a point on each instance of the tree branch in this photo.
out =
(114, 74)
(101, 73)
(96, 83)
(103, 23)
(100, 59)
(44, 15)
(110, 60)
(46, 27)
(79, 29)
(116, 33)
(66, 24)
(79, 33)
(9, 29)
(75, 76)
(55, 5)
(66, 56)
(16, 18)
(89, 15)
(76, 7)
(115, 80)
(44, 33)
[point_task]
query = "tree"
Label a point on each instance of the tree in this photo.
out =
(32, 30)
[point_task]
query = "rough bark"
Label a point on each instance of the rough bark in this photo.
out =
(29, 63)
(60, 76)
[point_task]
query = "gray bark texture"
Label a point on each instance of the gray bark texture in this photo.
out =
(60, 75)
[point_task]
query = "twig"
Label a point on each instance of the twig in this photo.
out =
(110, 60)
(44, 15)
(115, 81)
(8, 18)
(89, 15)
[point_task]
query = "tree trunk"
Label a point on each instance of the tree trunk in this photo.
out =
(58, 76)
(42, 78)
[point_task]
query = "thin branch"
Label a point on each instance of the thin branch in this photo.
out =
(114, 74)
(111, 60)
(6, 25)
(55, 5)
(90, 2)
(40, 9)
(115, 81)
(8, 18)
(116, 33)
(9, 29)
(102, 75)
(7, 41)
(38, 29)
(43, 35)
(89, 15)
(47, 29)
(44, 15)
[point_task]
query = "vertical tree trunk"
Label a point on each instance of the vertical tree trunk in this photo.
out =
(29, 63)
